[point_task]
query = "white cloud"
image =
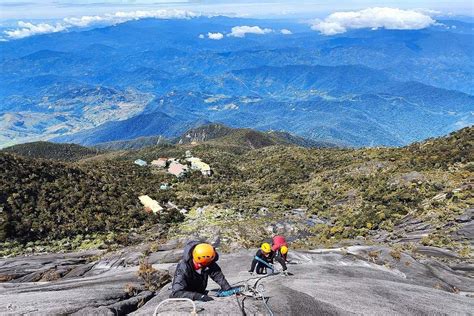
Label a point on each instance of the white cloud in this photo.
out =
(286, 32)
(157, 14)
(26, 29)
(215, 36)
(84, 21)
(374, 18)
(201, 36)
(241, 31)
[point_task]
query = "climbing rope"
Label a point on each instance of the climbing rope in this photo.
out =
(193, 312)
(255, 290)
(241, 306)
(259, 290)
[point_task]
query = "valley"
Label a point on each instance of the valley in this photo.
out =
(363, 88)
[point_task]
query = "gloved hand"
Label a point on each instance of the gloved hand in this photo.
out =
(205, 298)
(229, 292)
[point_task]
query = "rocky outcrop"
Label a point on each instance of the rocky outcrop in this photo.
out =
(466, 229)
(331, 282)
(109, 286)
(412, 230)
(44, 267)
(344, 281)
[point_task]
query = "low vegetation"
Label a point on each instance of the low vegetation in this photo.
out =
(338, 193)
(152, 278)
(50, 200)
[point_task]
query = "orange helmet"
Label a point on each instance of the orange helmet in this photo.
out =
(204, 254)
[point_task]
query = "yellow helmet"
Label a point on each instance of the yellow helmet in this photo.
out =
(284, 250)
(204, 254)
(266, 248)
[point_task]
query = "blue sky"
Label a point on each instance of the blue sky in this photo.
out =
(57, 9)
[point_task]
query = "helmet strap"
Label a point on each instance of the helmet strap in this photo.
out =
(196, 265)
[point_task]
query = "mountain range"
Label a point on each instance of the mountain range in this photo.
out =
(240, 139)
(154, 77)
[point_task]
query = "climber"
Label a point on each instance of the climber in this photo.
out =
(193, 270)
(280, 247)
(263, 260)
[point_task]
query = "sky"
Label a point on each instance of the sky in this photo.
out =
(20, 19)
(58, 9)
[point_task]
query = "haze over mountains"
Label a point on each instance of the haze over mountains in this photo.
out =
(160, 77)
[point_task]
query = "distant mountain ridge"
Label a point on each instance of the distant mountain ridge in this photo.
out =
(221, 134)
(132, 144)
(394, 116)
(333, 80)
(218, 134)
(360, 88)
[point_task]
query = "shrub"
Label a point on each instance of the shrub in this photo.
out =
(396, 254)
(153, 279)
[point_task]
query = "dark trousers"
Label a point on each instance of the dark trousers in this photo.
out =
(261, 268)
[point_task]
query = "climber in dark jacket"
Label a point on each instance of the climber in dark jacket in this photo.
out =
(267, 255)
(198, 263)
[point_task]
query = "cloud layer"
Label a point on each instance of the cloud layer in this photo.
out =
(26, 29)
(241, 31)
(374, 18)
(336, 23)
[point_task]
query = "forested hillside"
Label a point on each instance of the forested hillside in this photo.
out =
(317, 195)
(46, 150)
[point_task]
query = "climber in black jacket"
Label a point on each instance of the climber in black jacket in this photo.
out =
(263, 259)
(198, 263)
